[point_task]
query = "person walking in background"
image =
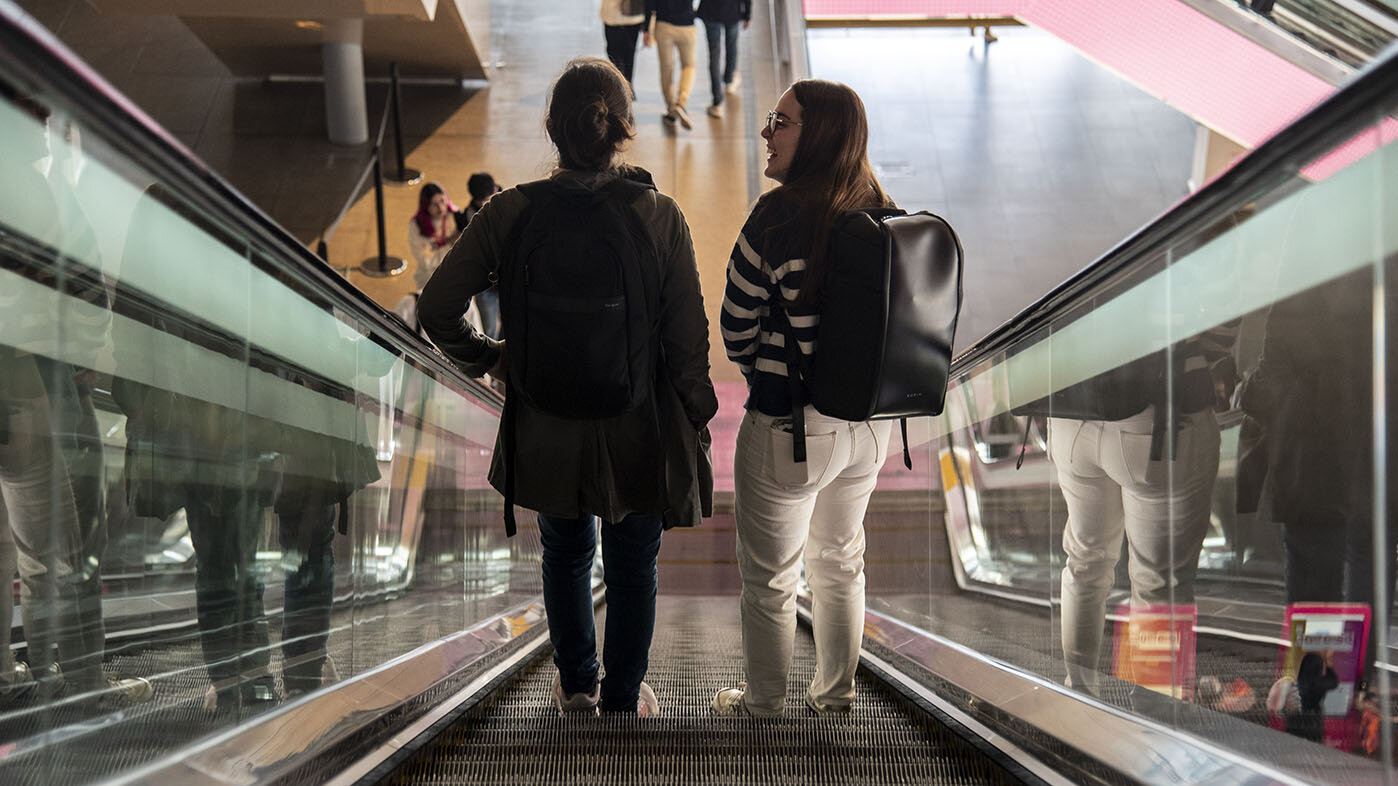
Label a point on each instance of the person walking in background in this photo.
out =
(482, 187)
(622, 24)
(673, 33)
(817, 149)
(721, 20)
(594, 219)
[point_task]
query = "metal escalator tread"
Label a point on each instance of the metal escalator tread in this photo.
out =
(518, 737)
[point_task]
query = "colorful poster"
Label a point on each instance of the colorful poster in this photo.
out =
(1340, 632)
(1155, 647)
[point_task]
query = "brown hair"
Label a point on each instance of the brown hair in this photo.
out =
(589, 114)
(830, 171)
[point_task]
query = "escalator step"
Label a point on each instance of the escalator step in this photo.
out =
(518, 737)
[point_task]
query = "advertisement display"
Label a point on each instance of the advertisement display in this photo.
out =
(1155, 647)
(1324, 660)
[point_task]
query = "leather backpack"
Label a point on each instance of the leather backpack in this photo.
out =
(888, 310)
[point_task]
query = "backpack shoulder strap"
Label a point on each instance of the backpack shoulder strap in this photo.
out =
(536, 193)
(794, 364)
(627, 191)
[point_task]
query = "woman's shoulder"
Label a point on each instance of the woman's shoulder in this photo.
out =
(504, 206)
(652, 203)
(774, 219)
(774, 206)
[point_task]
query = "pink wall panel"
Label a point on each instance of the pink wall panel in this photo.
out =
(928, 8)
(1164, 47)
(1182, 57)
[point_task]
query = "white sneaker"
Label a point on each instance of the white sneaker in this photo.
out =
(576, 702)
(821, 708)
(729, 701)
(135, 689)
(716, 110)
(732, 87)
(646, 704)
(678, 111)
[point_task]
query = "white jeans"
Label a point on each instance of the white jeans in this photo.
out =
(669, 41)
(785, 511)
(43, 538)
(1112, 488)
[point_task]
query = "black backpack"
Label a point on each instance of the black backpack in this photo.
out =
(888, 310)
(579, 312)
(575, 299)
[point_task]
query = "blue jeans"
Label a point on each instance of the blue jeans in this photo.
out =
(729, 33)
(488, 303)
(629, 551)
(307, 530)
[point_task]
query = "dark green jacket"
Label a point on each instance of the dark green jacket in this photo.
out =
(604, 467)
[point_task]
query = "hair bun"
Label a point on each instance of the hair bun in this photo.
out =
(589, 114)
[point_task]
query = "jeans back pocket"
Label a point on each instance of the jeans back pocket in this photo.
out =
(786, 471)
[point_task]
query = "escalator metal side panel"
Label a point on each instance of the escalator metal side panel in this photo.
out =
(280, 742)
(1131, 745)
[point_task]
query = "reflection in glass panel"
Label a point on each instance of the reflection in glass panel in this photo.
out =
(222, 489)
(1166, 499)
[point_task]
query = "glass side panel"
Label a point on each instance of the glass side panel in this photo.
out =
(1176, 497)
(222, 489)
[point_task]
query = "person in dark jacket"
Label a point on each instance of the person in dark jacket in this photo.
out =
(1311, 386)
(574, 471)
(482, 188)
(215, 461)
(721, 21)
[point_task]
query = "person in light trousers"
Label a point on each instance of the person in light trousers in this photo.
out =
(813, 511)
(673, 34)
(1113, 488)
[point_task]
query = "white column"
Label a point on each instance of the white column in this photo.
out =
(346, 115)
(1213, 153)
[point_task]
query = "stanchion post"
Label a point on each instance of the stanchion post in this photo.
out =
(382, 265)
(404, 175)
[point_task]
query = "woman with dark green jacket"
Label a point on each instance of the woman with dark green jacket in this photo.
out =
(639, 472)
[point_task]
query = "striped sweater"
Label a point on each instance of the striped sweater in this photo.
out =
(768, 262)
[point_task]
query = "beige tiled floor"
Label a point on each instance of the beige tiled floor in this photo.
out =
(268, 140)
(1041, 159)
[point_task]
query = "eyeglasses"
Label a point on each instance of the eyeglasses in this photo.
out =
(776, 122)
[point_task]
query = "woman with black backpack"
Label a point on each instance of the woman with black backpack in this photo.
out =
(817, 140)
(605, 361)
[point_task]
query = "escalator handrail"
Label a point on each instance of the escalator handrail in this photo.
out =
(30, 49)
(1339, 117)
